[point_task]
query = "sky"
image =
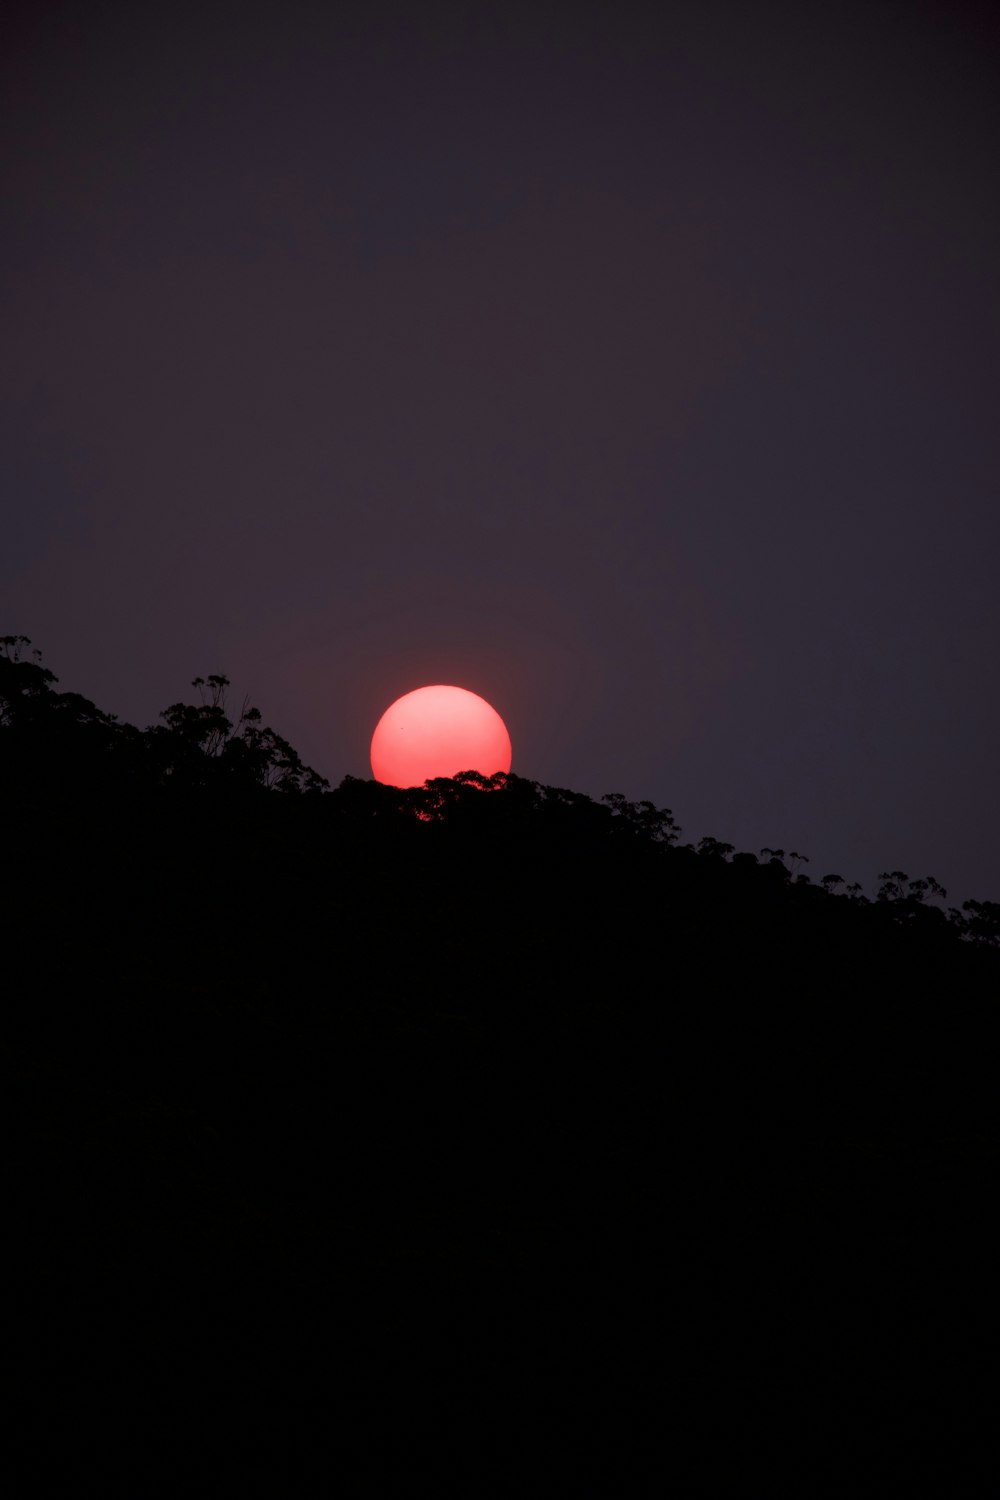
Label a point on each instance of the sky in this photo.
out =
(637, 368)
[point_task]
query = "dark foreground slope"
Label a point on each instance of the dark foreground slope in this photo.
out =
(480, 1140)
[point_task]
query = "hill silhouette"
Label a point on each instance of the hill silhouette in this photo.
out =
(480, 1136)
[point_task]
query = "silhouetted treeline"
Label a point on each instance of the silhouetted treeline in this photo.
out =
(56, 745)
(483, 1132)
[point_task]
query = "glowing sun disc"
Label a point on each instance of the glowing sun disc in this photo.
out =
(438, 731)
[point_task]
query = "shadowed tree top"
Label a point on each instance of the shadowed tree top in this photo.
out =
(503, 831)
(64, 736)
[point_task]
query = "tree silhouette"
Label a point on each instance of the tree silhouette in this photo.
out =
(471, 1081)
(24, 684)
(643, 818)
(714, 848)
(198, 744)
(980, 922)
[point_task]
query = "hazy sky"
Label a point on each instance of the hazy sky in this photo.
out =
(635, 367)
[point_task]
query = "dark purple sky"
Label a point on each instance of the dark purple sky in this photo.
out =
(640, 375)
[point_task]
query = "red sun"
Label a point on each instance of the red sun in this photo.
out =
(438, 731)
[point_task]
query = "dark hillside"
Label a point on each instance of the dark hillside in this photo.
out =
(479, 1138)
